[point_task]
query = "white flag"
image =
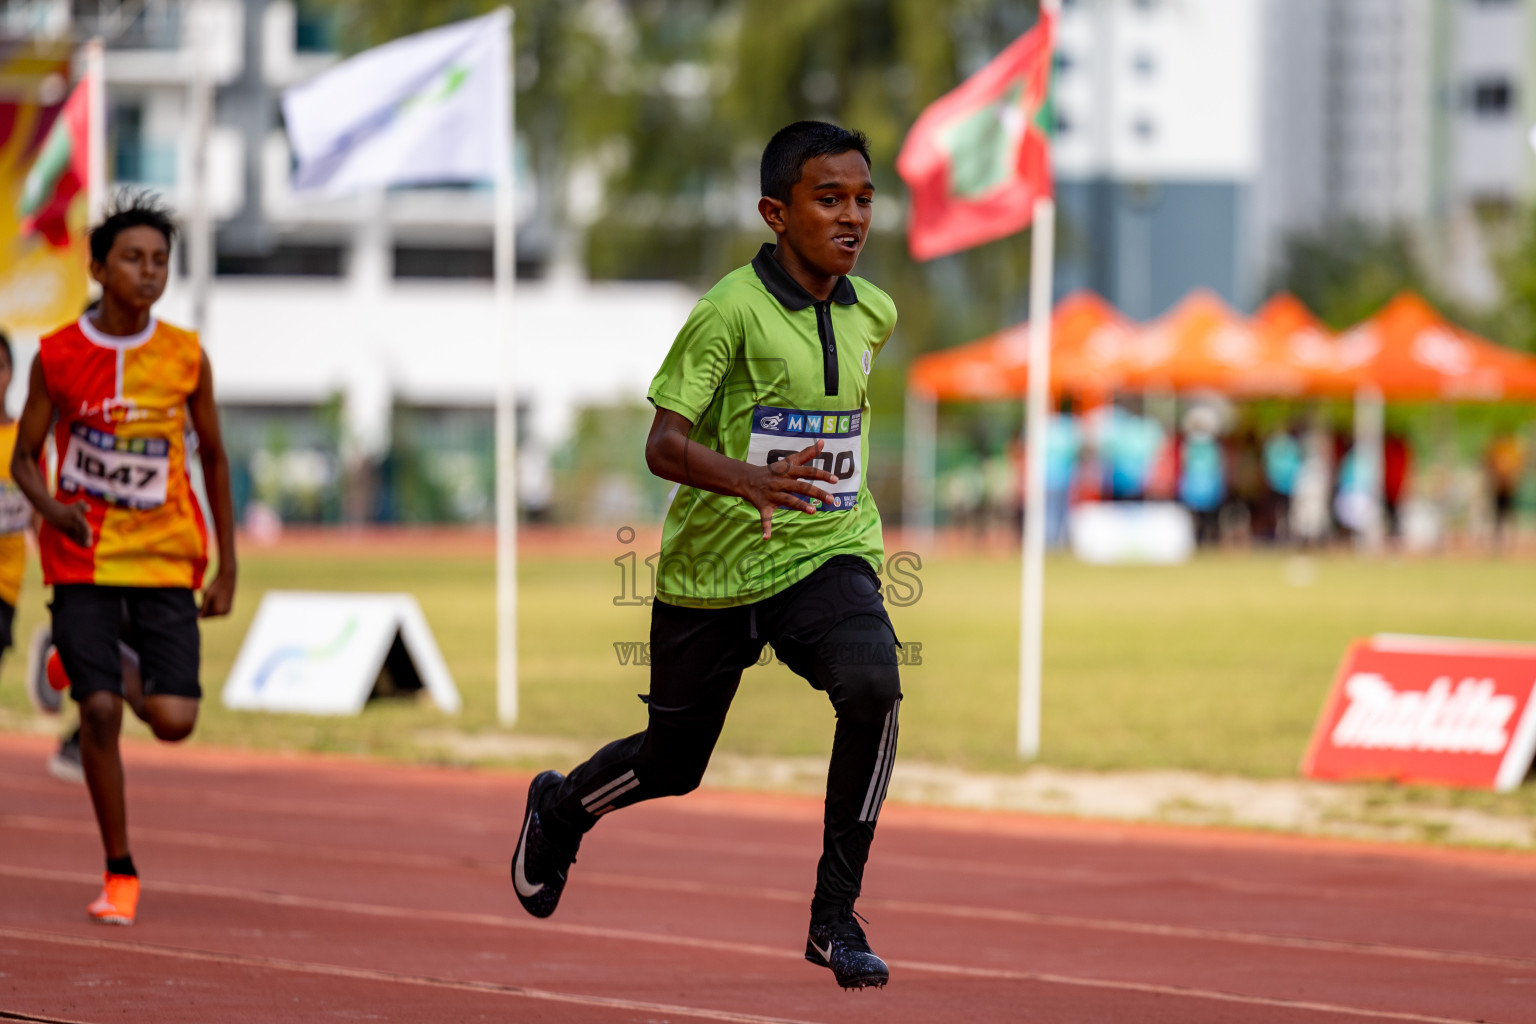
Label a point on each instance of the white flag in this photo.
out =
(428, 108)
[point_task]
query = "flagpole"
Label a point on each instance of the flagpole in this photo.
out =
(505, 243)
(1032, 589)
(96, 129)
(199, 219)
(1042, 261)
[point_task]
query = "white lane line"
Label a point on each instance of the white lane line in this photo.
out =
(752, 848)
(31, 1018)
(716, 945)
(392, 977)
(949, 910)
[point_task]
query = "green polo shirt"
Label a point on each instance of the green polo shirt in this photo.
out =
(762, 369)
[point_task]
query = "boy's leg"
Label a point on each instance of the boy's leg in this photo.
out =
(697, 657)
(833, 631)
(855, 663)
(86, 619)
(101, 720)
(162, 630)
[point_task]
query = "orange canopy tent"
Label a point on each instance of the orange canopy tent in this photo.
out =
(997, 366)
(1409, 352)
(1202, 344)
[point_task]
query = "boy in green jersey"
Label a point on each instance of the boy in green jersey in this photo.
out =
(772, 538)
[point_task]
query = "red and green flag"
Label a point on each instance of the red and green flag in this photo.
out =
(61, 171)
(978, 158)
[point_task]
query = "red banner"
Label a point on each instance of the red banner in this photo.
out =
(1429, 710)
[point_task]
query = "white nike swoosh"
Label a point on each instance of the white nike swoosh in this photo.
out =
(826, 954)
(525, 888)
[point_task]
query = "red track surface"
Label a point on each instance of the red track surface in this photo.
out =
(298, 889)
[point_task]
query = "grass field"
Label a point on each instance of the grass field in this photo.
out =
(1218, 666)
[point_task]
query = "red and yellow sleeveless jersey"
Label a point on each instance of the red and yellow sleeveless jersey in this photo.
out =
(122, 408)
(15, 517)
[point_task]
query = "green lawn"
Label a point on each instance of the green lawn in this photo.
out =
(1218, 666)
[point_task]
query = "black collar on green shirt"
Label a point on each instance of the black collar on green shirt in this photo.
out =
(788, 291)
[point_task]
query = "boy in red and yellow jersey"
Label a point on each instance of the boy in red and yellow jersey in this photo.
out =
(123, 541)
(15, 512)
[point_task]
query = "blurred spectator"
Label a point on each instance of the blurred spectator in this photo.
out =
(1000, 490)
(1063, 445)
(1202, 473)
(1396, 464)
(1505, 462)
(965, 490)
(1313, 487)
(1128, 444)
(1282, 464)
(1248, 507)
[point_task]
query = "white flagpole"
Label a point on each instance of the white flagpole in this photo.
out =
(1032, 590)
(505, 242)
(199, 219)
(96, 129)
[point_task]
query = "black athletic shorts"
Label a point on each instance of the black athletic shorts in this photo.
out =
(160, 623)
(7, 625)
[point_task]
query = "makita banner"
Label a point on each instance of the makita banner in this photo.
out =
(1429, 710)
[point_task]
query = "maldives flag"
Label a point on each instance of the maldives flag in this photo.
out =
(979, 157)
(61, 171)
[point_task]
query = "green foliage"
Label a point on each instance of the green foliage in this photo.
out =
(1513, 321)
(1350, 270)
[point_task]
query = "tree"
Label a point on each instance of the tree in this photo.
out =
(1348, 271)
(1513, 319)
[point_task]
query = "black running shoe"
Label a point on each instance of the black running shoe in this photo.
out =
(841, 946)
(540, 863)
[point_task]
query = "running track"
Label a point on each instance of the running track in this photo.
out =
(308, 889)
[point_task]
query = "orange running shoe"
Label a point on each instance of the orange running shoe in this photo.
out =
(56, 675)
(118, 901)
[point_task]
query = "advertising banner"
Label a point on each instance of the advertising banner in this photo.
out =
(1429, 710)
(42, 281)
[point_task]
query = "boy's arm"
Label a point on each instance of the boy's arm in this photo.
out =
(31, 432)
(219, 595)
(671, 455)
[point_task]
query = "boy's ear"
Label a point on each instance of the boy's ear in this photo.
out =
(99, 273)
(773, 212)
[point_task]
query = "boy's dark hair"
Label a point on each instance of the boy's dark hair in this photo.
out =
(791, 146)
(131, 209)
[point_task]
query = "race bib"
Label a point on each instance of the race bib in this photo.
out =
(15, 509)
(779, 433)
(126, 471)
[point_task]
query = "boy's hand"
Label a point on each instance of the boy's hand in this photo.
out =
(786, 484)
(70, 520)
(218, 596)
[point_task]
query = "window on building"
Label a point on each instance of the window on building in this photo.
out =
(1062, 126)
(1144, 128)
(1063, 62)
(314, 27)
(284, 261)
(443, 262)
(1145, 5)
(1144, 64)
(1492, 97)
(125, 141)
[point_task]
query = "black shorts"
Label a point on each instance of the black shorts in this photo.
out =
(159, 623)
(7, 625)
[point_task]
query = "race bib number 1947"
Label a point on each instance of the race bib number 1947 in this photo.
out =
(779, 433)
(126, 471)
